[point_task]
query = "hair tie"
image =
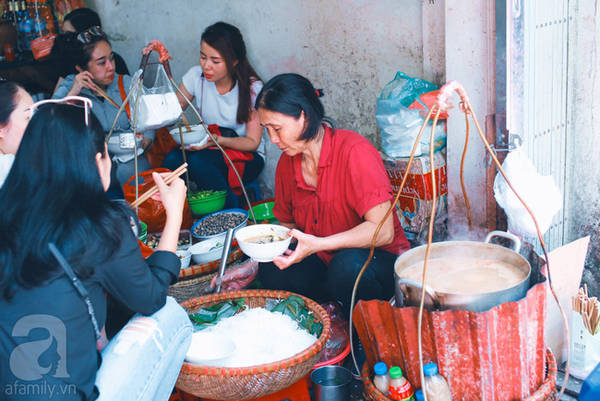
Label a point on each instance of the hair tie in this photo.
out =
(319, 92)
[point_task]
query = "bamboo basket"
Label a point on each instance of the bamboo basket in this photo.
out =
(546, 392)
(253, 381)
(195, 280)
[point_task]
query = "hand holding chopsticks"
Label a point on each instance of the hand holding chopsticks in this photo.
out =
(168, 180)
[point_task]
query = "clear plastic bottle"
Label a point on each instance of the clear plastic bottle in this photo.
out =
(382, 378)
(435, 387)
(400, 388)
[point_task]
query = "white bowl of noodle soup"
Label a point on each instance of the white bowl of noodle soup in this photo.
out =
(262, 242)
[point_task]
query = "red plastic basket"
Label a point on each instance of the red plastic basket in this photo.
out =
(337, 360)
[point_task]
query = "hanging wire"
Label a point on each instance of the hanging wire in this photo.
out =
(212, 137)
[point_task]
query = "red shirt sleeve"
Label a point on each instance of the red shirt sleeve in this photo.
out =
(367, 182)
(284, 186)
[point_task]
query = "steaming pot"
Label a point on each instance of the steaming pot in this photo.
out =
(408, 291)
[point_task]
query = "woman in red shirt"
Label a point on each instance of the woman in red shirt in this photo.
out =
(332, 190)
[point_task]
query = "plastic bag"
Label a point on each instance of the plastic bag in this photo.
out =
(237, 277)
(338, 332)
(539, 192)
(152, 212)
(399, 120)
(158, 105)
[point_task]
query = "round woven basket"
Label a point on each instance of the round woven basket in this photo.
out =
(546, 391)
(195, 280)
(253, 381)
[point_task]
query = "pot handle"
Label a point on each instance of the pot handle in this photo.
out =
(516, 240)
(417, 284)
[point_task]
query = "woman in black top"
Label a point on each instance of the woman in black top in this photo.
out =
(55, 193)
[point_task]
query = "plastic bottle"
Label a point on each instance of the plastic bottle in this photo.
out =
(400, 388)
(382, 378)
(419, 395)
(435, 386)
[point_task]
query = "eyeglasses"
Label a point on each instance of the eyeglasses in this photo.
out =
(78, 101)
(90, 34)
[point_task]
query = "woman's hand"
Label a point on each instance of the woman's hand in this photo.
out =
(84, 79)
(208, 143)
(172, 196)
(145, 144)
(306, 246)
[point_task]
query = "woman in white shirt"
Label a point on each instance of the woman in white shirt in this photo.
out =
(224, 87)
(14, 116)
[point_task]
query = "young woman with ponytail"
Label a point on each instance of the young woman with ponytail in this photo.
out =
(224, 87)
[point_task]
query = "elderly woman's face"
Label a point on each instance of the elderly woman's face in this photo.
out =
(12, 132)
(284, 131)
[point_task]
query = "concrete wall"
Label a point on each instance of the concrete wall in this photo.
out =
(583, 196)
(469, 60)
(350, 48)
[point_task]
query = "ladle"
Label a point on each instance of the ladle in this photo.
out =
(224, 257)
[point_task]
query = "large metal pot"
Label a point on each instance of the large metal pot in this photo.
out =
(408, 291)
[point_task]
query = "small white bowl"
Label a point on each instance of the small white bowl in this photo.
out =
(267, 251)
(114, 144)
(184, 256)
(208, 349)
(207, 250)
(197, 136)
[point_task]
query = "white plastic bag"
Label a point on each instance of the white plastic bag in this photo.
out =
(540, 193)
(158, 105)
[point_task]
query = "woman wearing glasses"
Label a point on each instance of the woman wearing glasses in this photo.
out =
(93, 59)
(53, 313)
(224, 87)
(14, 116)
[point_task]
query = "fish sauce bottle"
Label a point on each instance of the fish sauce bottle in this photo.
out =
(435, 387)
(381, 380)
(400, 388)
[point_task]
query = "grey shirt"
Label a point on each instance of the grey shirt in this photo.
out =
(103, 109)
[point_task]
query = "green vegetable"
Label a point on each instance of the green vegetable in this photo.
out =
(295, 308)
(210, 315)
(204, 194)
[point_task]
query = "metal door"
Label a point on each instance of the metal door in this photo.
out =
(532, 89)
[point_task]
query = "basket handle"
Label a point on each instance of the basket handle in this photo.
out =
(163, 57)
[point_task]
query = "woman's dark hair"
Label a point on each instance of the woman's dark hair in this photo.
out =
(83, 18)
(74, 52)
(8, 101)
(228, 41)
(54, 193)
(292, 94)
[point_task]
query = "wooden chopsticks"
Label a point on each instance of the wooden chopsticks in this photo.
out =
(186, 122)
(170, 178)
(105, 95)
(587, 307)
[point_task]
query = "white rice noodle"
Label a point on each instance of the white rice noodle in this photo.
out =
(261, 337)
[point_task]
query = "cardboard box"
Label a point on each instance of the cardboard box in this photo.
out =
(416, 201)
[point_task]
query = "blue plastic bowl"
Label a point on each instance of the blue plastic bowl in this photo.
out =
(224, 232)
